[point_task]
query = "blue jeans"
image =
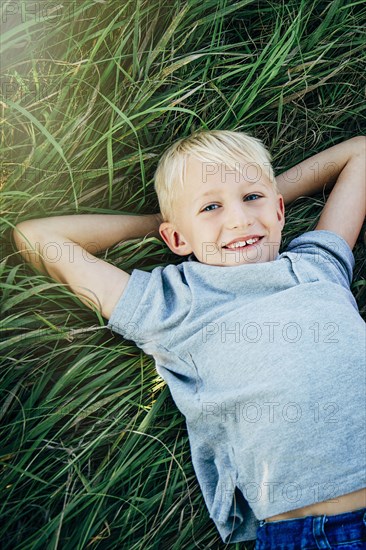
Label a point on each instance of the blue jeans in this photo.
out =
(342, 531)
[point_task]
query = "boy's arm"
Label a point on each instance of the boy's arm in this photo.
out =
(63, 248)
(341, 168)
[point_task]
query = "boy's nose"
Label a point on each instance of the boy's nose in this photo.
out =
(238, 217)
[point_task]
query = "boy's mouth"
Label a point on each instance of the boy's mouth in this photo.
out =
(241, 244)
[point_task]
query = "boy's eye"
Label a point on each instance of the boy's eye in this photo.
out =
(206, 207)
(248, 197)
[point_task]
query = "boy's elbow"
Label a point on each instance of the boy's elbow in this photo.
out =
(27, 243)
(21, 234)
(17, 234)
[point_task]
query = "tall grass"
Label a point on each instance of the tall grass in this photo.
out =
(94, 453)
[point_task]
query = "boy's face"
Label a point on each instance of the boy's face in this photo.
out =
(218, 206)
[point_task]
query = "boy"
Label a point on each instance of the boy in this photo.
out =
(264, 353)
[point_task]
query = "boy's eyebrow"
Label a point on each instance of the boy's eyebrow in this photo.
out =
(215, 191)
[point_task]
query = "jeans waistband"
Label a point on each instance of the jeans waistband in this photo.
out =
(335, 529)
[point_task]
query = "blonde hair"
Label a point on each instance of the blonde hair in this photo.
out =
(222, 146)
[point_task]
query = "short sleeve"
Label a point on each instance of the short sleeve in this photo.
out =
(149, 310)
(326, 256)
(124, 319)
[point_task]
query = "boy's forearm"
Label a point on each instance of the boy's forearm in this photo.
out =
(318, 172)
(94, 232)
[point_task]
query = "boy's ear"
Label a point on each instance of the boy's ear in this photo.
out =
(281, 210)
(174, 239)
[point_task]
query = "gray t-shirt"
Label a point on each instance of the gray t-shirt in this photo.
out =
(267, 364)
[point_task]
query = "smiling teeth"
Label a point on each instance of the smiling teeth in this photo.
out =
(242, 243)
